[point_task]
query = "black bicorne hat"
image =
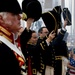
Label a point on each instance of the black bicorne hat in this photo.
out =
(67, 15)
(50, 19)
(11, 6)
(58, 10)
(32, 9)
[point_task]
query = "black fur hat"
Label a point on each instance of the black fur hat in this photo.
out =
(10, 6)
(32, 9)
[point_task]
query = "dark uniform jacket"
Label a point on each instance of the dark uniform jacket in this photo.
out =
(33, 54)
(52, 54)
(29, 51)
(9, 64)
(42, 54)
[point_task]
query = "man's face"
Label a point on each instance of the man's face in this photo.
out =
(12, 22)
(44, 32)
(34, 38)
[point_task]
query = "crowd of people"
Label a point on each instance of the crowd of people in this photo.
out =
(22, 50)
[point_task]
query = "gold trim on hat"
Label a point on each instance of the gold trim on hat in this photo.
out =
(24, 16)
(55, 9)
(56, 27)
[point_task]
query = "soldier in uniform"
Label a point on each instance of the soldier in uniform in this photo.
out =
(30, 8)
(31, 11)
(42, 33)
(31, 54)
(57, 48)
(11, 58)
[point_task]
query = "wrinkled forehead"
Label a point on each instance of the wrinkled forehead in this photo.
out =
(14, 15)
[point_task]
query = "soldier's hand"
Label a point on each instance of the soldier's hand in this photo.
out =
(52, 35)
(65, 23)
(29, 23)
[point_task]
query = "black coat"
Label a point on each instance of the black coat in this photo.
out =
(56, 48)
(8, 62)
(34, 56)
(29, 50)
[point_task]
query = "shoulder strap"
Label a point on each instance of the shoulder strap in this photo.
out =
(11, 45)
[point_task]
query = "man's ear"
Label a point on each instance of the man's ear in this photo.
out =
(1, 20)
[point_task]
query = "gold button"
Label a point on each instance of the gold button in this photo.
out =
(32, 63)
(40, 70)
(27, 58)
(27, 52)
(42, 41)
(44, 45)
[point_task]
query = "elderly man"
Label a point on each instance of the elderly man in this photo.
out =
(11, 58)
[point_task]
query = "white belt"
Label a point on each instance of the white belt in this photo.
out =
(11, 45)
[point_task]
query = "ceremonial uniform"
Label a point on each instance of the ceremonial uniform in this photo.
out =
(30, 52)
(57, 51)
(42, 54)
(32, 10)
(53, 54)
(60, 48)
(11, 58)
(10, 61)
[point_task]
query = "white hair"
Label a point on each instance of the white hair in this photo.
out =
(4, 16)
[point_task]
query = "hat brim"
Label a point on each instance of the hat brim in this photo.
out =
(33, 9)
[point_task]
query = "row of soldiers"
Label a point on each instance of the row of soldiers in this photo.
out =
(25, 54)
